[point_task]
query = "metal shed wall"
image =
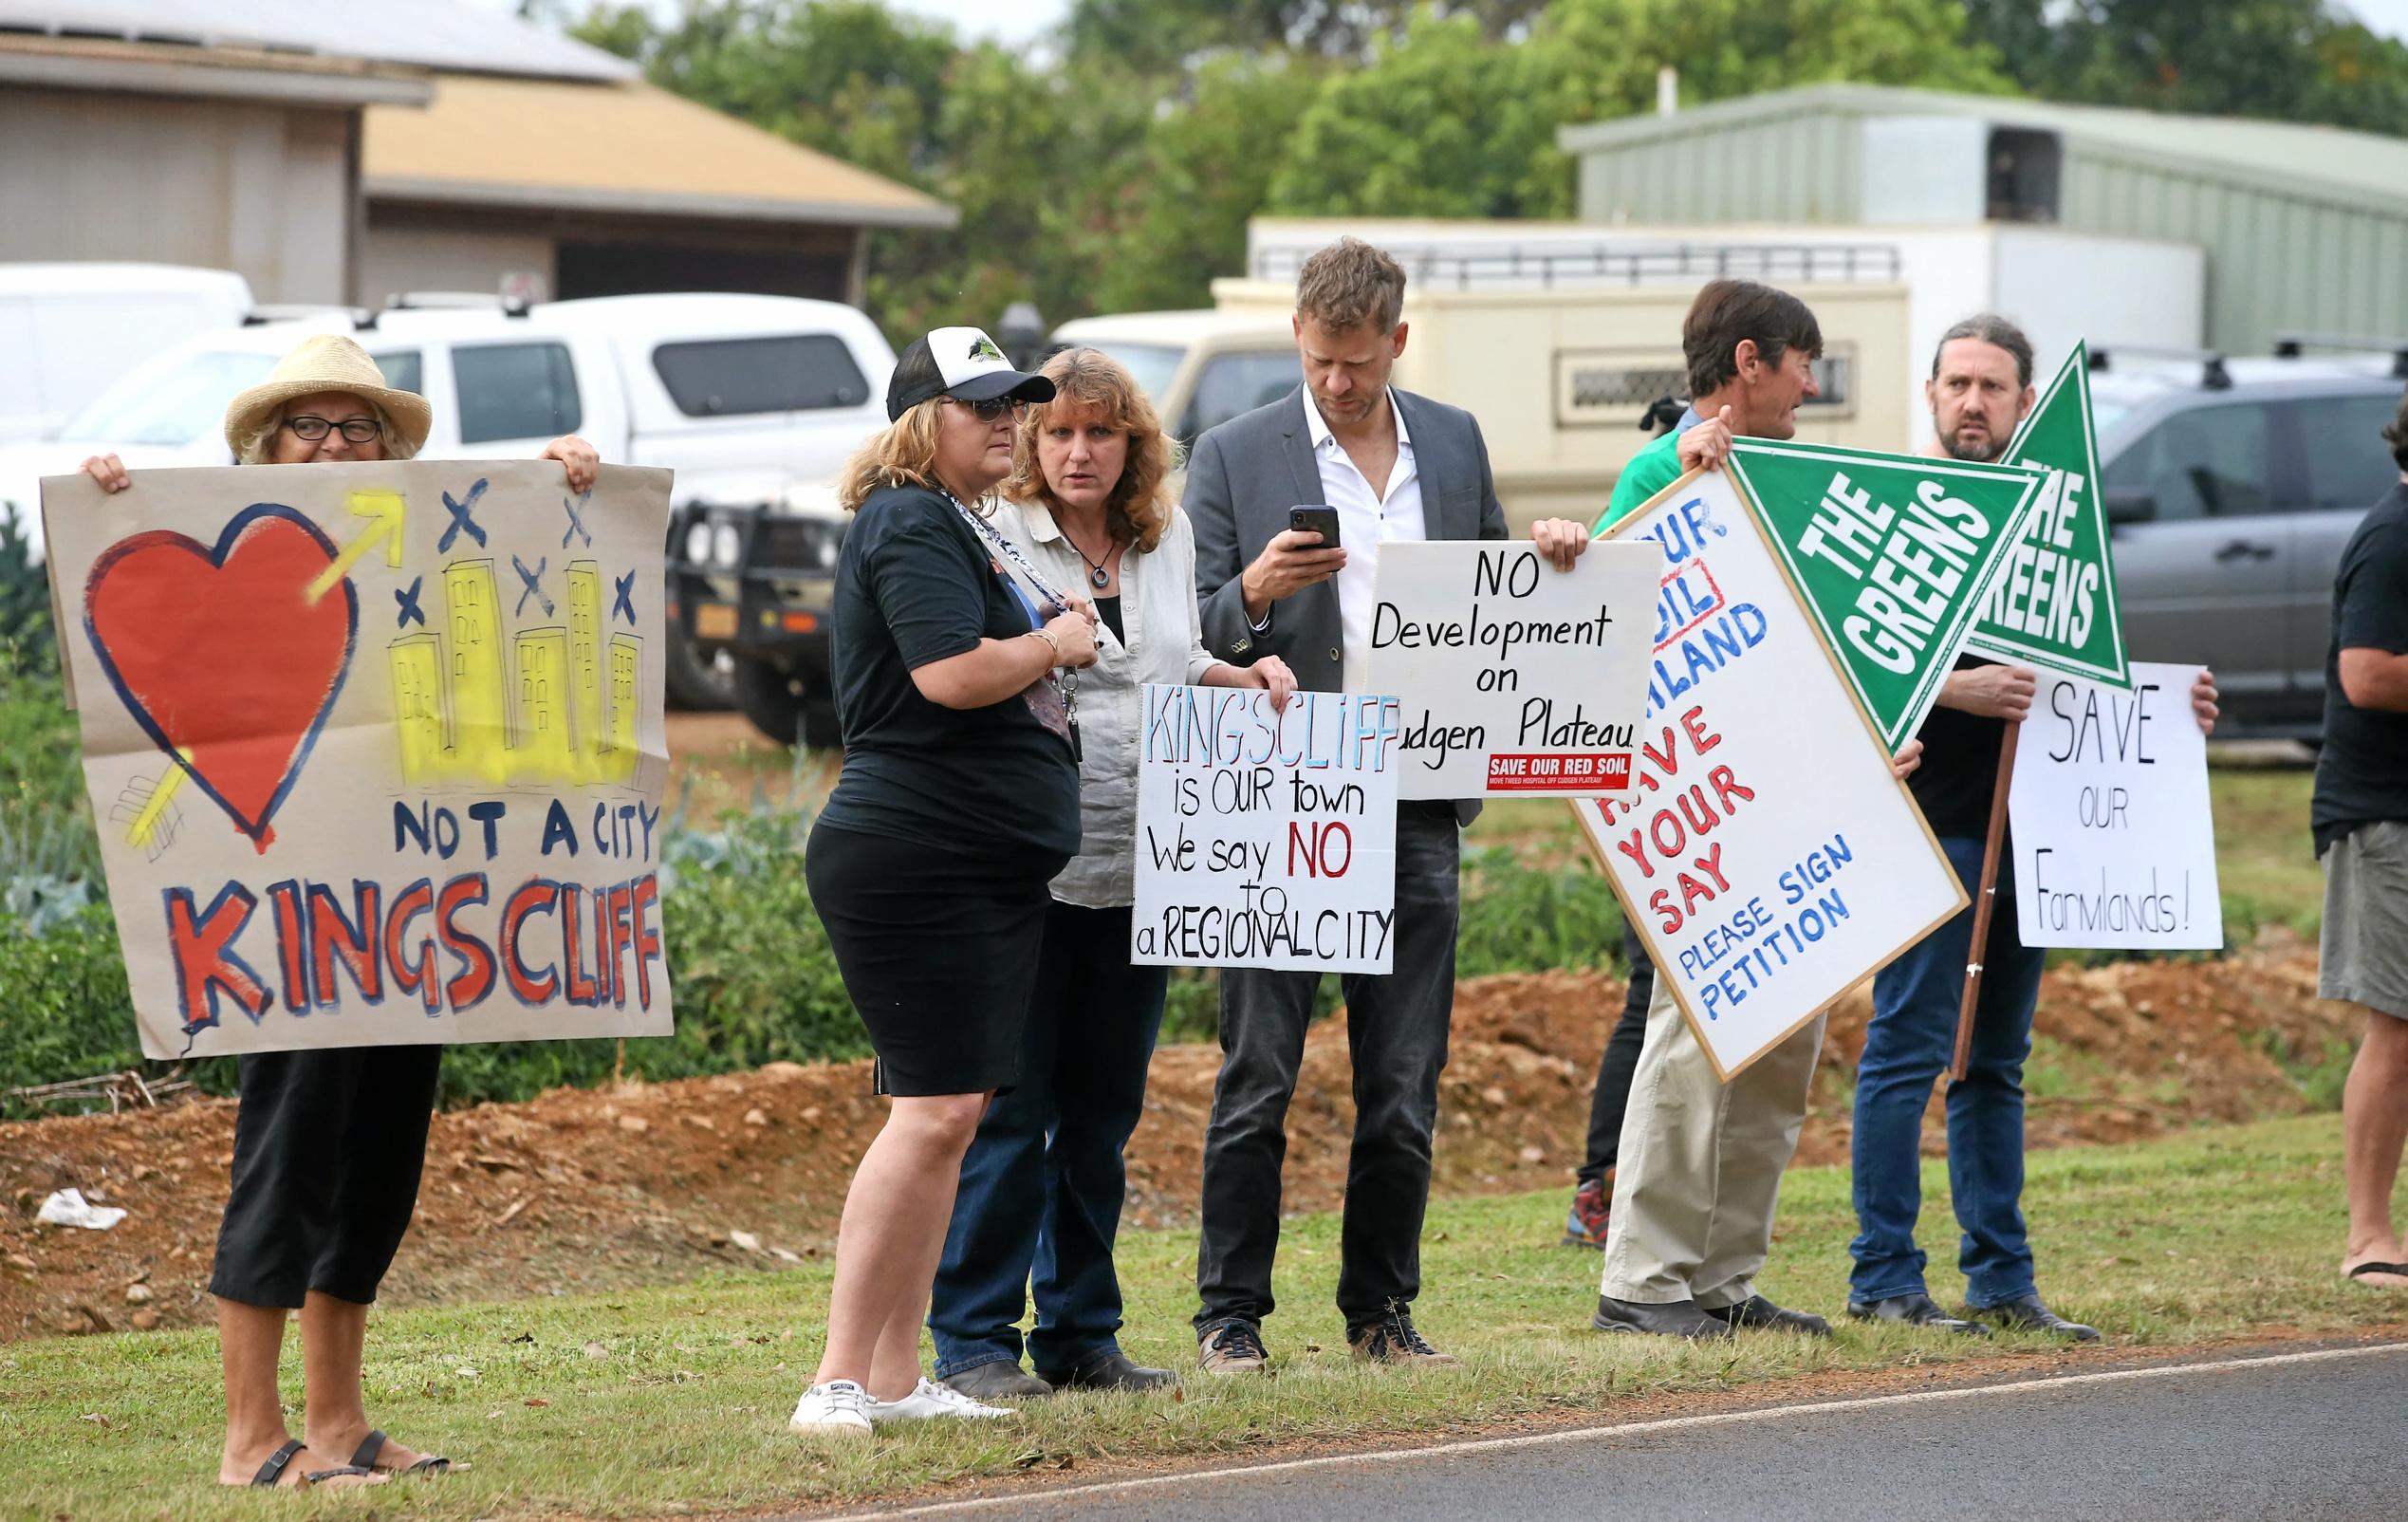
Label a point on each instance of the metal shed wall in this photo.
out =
(2281, 253)
(1804, 169)
(2275, 260)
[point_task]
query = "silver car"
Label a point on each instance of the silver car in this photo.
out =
(2233, 486)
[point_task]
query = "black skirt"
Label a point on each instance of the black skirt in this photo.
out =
(937, 951)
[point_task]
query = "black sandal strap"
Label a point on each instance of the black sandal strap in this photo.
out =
(2401, 1269)
(273, 1470)
(364, 1457)
(431, 1464)
(319, 1477)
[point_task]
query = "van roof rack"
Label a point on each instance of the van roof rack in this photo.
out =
(285, 311)
(2289, 346)
(2213, 376)
(404, 301)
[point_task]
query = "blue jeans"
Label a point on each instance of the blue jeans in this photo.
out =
(1042, 1186)
(1906, 1047)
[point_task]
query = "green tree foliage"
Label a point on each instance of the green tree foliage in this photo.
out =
(1449, 121)
(2286, 59)
(1115, 167)
(1204, 166)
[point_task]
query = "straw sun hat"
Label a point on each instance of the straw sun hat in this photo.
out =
(328, 361)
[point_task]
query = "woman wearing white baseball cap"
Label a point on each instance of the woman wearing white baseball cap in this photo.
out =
(949, 653)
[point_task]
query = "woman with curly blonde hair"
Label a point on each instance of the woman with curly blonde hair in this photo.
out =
(1088, 502)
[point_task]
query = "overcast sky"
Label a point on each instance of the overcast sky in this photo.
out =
(1015, 22)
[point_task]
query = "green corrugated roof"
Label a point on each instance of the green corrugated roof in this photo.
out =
(2363, 168)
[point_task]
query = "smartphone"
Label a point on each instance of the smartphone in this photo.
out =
(1316, 520)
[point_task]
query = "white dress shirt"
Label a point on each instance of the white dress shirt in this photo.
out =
(1165, 644)
(1368, 516)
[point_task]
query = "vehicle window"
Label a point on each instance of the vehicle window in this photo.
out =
(1235, 383)
(1152, 364)
(515, 391)
(722, 378)
(2209, 462)
(404, 370)
(2349, 466)
(173, 399)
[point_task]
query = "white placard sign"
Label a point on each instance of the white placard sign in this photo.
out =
(1514, 679)
(1266, 839)
(1766, 853)
(2115, 841)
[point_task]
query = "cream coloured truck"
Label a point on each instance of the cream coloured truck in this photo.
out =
(1558, 378)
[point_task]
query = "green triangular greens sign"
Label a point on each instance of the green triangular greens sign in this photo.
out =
(2056, 605)
(1894, 554)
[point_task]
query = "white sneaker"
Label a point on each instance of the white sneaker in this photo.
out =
(839, 1407)
(929, 1399)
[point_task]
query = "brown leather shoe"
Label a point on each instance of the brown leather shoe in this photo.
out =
(1392, 1340)
(1232, 1348)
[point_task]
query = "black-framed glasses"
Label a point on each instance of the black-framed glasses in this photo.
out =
(355, 430)
(993, 408)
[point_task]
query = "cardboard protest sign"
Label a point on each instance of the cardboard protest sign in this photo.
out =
(2055, 606)
(1266, 839)
(2115, 841)
(1513, 677)
(1894, 554)
(376, 750)
(1766, 854)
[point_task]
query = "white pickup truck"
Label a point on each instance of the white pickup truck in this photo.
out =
(712, 387)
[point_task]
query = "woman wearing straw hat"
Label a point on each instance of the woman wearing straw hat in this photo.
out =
(328, 1144)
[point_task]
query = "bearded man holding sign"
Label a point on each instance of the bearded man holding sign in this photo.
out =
(1980, 394)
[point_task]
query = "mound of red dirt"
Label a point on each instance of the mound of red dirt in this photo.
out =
(586, 1190)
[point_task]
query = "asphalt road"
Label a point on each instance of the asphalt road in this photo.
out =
(2319, 1435)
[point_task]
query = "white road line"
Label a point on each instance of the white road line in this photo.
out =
(1023, 1499)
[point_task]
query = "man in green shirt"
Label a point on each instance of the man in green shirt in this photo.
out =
(1750, 351)
(1683, 1244)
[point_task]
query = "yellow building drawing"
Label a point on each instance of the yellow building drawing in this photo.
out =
(477, 703)
(540, 744)
(584, 656)
(480, 739)
(418, 707)
(626, 665)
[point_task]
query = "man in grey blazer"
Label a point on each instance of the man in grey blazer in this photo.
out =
(1397, 467)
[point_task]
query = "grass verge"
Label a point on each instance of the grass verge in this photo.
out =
(675, 1400)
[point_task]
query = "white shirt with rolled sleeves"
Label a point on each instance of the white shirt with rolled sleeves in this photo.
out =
(1165, 645)
(1368, 516)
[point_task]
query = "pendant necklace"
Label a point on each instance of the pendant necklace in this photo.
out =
(1097, 576)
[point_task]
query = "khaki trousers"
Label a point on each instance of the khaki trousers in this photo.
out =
(1700, 1165)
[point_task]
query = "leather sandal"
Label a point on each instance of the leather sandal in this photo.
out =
(364, 1458)
(272, 1473)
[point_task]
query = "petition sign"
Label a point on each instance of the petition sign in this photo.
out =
(1765, 852)
(1513, 677)
(1266, 839)
(2114, 842)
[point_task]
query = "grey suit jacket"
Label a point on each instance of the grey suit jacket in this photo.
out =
(1243, 477)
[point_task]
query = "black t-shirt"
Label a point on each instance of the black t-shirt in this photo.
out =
(916, 584)
(1959, 773)
(2362, 774)
(1108, 609)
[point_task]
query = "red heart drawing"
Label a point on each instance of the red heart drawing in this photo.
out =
(220, 655)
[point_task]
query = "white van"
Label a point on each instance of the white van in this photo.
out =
(66, 330)
(699, 383)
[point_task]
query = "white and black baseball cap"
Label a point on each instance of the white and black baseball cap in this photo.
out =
(962, 363)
